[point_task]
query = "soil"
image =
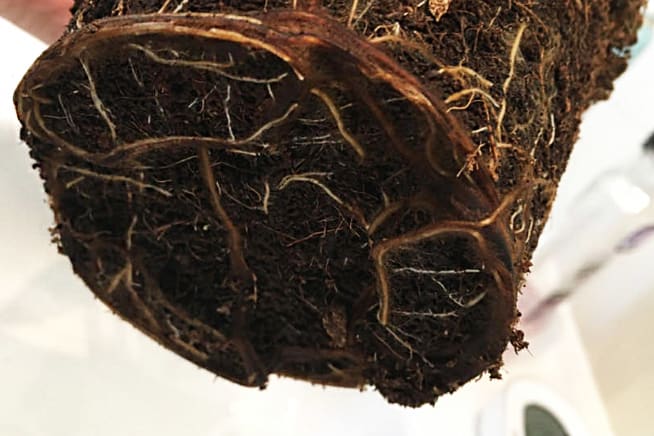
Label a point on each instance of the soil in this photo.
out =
(347, 193)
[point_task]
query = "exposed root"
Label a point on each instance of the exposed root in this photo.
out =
(143, 308)
(353, 10)
(447, 272)
(460, 72)
(97, 102)
(469, 228)
(416, 157)
(553, 132)
(473, 91)
(130, 233)
(514, 216)
(214, 67)
(425, 314)
(416, 202)
(388, 347)
(507, 82)
(333, 110)
(497, 14)
(470, 303)
(310, 236)
(382, 216)
(395, 332)
(399, 340)
(256, 373)
(164, 7)
(74, 182)
(41, 131)
(116, 178)
(119, 9)
(529, 230)
(465, 106)
(126, 277)
(238, 265)
(473, 301)
(227, 115)
(470, 162)
(266, 198)
(67, 114)
(363, 12)
(177, 319)
(136, 148)
(117, 279)
(308, 178)
(181, 6)
(177, 9)
(230, 143)
(438, 8)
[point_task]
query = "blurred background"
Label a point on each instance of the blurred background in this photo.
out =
(68, 367)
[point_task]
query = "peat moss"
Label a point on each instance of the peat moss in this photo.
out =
(346, 193)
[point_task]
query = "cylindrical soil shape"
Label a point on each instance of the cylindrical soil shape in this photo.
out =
(345, 192)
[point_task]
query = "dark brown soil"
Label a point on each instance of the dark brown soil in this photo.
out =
(347, 194)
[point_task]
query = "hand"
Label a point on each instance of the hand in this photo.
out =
(45, 19)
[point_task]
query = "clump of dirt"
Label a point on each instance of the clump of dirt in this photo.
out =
(347, 193)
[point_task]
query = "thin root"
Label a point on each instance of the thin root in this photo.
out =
(507, 81)
(239, 267)
(305, 177)
(470, 228)
(116, 178)
(326, 99)
(353, 11)
(181, 6)
(459, 71)
(266, 197)
(473, 91)
(163, 8)
(97, 102)
(215, 67)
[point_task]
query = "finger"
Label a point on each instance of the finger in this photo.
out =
(45, 19)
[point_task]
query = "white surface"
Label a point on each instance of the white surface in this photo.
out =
(507, 413)
(68, 367)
